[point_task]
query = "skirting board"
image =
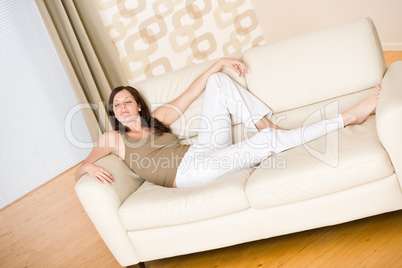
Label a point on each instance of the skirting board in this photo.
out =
(392, 46)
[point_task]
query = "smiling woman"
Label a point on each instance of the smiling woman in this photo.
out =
(139, 136)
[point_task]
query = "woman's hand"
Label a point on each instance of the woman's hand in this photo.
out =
(232, 63)
(99, 173)
(107, 144)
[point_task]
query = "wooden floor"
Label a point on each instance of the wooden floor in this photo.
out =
(48, 228)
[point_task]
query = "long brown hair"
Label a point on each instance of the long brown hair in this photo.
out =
(146, 119)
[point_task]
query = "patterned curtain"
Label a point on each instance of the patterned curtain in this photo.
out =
(157, 36)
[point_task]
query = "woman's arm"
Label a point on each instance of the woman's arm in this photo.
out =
(107, 144)
(170, 112)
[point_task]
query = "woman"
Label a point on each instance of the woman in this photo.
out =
(145, 143)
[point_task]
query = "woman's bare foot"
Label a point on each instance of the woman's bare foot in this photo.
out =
(359, 113)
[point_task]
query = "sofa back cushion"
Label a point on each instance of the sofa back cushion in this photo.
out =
(317, 66)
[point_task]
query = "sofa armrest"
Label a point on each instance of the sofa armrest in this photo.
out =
(102, 202)
(389, 116)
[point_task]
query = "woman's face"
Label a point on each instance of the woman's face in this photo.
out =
(125, 107)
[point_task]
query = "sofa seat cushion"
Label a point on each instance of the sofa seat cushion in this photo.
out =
(153, 206)
(344, 159)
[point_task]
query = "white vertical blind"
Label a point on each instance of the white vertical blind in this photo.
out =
(35, 99)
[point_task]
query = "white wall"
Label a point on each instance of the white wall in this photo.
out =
(280, 19)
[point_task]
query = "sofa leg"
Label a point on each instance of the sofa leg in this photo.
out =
(138, 265)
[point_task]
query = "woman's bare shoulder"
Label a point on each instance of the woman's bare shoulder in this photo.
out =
(109, 139)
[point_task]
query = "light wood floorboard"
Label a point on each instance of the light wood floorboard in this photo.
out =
(49, 228)
(392, 56)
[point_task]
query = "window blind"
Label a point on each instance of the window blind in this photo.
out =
(36, 98)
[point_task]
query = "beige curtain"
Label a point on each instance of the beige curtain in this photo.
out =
(87, 54)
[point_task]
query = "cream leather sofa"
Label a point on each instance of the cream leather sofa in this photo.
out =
(350, 174)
